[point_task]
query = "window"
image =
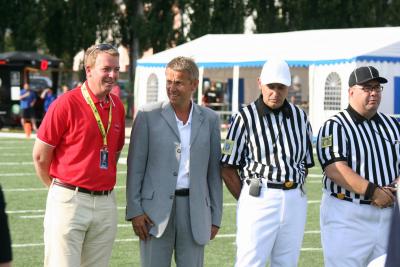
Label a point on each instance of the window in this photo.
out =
(152, 88)
(333, 86)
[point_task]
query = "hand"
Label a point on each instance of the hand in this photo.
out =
(382, 197)
(141, 225)
(214, 231)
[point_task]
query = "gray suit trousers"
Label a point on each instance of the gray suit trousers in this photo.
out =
(157, 252)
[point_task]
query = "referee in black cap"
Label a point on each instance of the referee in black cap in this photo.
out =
(359, 151)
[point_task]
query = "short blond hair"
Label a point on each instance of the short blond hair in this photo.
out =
(93, 51)
(185, 64)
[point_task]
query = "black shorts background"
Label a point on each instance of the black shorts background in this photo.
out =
(5, 239)
(28, 113)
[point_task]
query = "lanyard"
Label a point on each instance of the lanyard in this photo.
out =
(96, 114)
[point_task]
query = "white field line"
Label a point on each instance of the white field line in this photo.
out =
(24, 211)
(137, 239)
(16, 163)
(13, 148)
(17, 135)
(19, 174)
(33, 174)
(229, 204)
(43, 189)
(15, 154)
(32, 216)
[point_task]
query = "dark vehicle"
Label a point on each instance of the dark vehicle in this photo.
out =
(16, 68)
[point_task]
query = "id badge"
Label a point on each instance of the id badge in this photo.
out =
(104, 158)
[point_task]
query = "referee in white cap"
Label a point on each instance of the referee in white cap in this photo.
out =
(264, 165)
(359, 151)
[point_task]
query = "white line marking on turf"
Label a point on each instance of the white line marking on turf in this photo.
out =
(32, 216)
(45, 189)
(229, 204)
(16, 163)
(137, 239)
(24, 211)
(34, 174)
(15, 154)
(20, 174)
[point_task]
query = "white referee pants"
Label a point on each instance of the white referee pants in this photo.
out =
(79, 229)
(270, 227)
(352, 234)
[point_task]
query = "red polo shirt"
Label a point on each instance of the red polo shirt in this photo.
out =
(70, 126)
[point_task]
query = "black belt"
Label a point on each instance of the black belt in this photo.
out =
(81, 189)
(184, 192)
(343, 197)
(285, 186)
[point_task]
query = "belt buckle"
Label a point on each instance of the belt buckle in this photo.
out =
(288, 184)
(340, 196)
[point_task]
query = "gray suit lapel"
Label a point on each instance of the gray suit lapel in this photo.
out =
(197, 121)
(169, 116)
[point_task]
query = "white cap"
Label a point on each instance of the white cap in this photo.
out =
(275, 71)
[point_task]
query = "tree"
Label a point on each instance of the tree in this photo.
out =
(199, 13)
(270, 15)
(24, 24)
(227, 16)
(73, 25)
(5, 15)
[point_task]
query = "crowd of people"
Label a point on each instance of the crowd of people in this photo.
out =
(176, 169)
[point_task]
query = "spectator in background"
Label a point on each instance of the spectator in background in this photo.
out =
(116, 90)
(48, 97)
(64, 89)
(27, 101)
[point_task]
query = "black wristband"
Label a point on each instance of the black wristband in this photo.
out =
(369, 192)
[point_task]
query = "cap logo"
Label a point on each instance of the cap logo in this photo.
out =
(355, 75)
(370, 72)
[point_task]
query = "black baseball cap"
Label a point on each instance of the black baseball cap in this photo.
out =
(364, 74)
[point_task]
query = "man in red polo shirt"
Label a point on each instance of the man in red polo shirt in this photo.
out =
(75, 155)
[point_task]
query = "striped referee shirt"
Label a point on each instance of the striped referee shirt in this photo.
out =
(371, 148)
(272, 144)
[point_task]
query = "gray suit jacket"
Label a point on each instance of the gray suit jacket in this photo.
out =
(153, 164)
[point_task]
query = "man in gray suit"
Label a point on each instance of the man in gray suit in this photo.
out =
(174, 187)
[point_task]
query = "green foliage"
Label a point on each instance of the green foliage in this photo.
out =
(24, 20)
(227, 16)
(64, 27)
(73, 25)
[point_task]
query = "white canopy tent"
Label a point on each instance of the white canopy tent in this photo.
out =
(321, 52)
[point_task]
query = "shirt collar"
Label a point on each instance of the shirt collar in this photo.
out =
(189, 121)
(263, 109)
(358, 118)
(97, 101)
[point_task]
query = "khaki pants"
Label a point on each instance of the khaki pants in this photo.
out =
(79, 229)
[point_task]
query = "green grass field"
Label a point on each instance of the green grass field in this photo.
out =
(26, 199)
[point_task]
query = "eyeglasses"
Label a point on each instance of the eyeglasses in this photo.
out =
(370, 89)
(103, 47)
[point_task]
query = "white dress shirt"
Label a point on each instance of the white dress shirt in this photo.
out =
(184, 163)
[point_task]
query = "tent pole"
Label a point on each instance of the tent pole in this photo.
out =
(200, 87)
(235, 89)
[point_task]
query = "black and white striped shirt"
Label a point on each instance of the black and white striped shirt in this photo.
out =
(371, 148)
(273, 144)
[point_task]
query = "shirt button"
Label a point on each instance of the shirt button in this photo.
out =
(175, 174)
(178, 150)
